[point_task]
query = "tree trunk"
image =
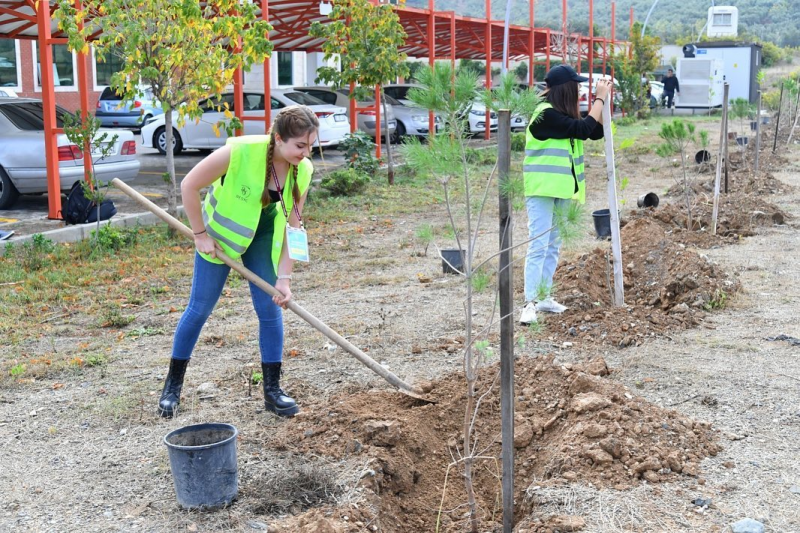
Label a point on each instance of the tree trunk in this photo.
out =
(388, 140)
(172, 196)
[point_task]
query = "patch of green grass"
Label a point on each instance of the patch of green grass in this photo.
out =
(17, 370)
(112, 317)
(147, 331)
(718, 300)
(256, 378)
(96, 359)
(481, 279)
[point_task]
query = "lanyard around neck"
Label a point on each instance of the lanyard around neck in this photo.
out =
(280, 195)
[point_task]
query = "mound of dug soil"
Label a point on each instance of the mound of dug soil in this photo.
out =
(667, 287)
(740, 215)
(571, 425)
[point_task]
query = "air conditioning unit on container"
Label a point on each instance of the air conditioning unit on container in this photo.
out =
(700, 82)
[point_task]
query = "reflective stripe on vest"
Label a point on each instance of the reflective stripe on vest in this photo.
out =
(553, 167)
(231, 212)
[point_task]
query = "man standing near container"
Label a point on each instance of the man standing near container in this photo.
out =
(671, 88)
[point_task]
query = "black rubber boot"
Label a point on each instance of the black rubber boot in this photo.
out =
(171, 395)
(275, 399)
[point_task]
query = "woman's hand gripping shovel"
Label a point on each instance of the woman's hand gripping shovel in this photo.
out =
(393, 380)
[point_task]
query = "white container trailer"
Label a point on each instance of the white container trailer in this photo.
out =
(740, 63)
(700, 82)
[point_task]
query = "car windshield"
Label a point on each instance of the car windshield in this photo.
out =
(304, 99)
(28, 116)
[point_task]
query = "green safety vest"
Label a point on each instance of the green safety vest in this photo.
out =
(231, 212)
(554, 167)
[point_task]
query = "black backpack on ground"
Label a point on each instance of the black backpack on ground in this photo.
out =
(80, 210)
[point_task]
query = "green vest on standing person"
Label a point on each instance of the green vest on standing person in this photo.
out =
(554, 167)
(231, 211)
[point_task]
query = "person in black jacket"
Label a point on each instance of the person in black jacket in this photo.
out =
(671, 88)
(554, 177)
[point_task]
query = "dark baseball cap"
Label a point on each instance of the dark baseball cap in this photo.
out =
(562, 74)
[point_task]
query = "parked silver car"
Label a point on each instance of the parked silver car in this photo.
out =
(411, 120)
(23, 168)
(113, 112)
(365, 119)
(475, 116)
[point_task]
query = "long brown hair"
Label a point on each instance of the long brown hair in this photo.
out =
(291, 122)
(564, 98)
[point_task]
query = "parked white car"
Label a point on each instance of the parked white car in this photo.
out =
(5, 92)
(200, 135)
(477, 119)
(583, 92)
(23, 167)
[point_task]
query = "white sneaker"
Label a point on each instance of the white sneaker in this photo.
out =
(549, 305)
(528, 315)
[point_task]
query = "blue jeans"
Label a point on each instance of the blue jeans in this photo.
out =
(542, 257)
(208, 282)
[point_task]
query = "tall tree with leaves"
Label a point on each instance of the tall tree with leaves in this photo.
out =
(645, 58)
(186, 51)
(366, 38)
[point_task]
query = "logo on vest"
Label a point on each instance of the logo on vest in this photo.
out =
(244, 193)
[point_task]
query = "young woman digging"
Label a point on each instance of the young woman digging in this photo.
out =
(258, 184)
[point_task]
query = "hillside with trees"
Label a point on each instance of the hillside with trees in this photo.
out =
(769, 20)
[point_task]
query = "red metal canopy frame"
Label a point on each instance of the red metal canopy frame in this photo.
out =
(437, 35)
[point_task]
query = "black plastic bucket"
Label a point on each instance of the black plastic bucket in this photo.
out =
(602, 223)
(741, 141)
(455, 258)
(203, 463)
(703, 156)
(648, 200)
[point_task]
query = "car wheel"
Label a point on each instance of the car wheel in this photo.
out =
(8, 193)
(160, 141)
(399, 133)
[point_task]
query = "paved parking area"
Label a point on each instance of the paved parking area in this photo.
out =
(29, 213)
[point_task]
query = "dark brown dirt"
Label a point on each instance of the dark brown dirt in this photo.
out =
(667, 287)
(571, 424)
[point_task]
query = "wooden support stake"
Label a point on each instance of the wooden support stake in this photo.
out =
(505, 287)
(758, 135)
(616, 244)
(723, 141)
(777, 122)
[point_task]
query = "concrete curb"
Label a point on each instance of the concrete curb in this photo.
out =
(84, 231)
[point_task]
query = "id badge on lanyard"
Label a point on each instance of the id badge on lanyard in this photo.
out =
(296, 238)
(297, 243)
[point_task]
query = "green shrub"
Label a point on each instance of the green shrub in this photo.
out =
(627, 120)
(33, 254)
(770, 99)
(110, 238)
(518, 141)
(477, 156)
(345, 182)
(359, 152)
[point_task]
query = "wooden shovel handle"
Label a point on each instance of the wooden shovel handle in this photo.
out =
(272, 291)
